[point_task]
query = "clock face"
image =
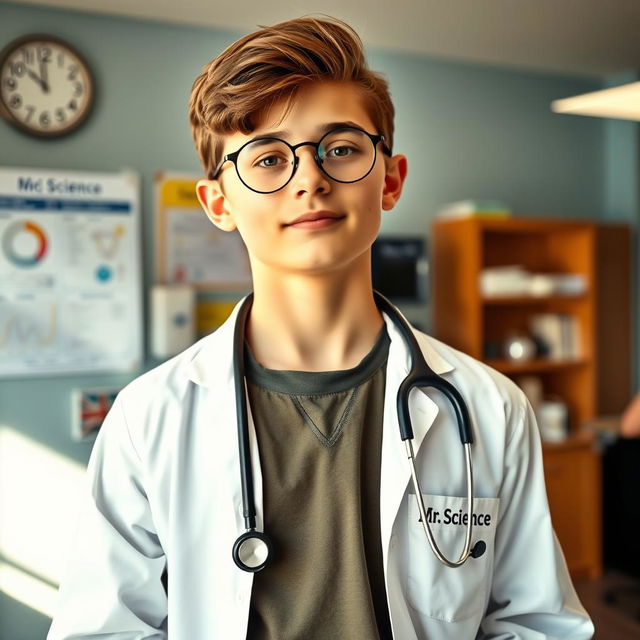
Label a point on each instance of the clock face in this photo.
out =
(46, 87)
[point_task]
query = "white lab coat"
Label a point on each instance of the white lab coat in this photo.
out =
(164, 487)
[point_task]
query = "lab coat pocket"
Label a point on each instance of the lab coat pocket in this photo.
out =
(434, 589)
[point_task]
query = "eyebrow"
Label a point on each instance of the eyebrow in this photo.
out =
(325, 128)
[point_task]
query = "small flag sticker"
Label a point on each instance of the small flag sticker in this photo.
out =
(90, 408)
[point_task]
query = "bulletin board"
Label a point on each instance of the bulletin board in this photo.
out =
(70, 272)
(190, 249)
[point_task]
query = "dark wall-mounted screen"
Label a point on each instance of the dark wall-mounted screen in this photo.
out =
(399, 268)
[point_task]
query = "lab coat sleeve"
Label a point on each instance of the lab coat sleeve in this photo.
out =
(112, 586)
(532, 596)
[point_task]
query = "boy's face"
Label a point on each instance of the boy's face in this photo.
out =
(265, 220)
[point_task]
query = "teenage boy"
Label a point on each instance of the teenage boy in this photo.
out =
(296, 137)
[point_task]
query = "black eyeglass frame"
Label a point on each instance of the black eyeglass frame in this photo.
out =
(233, 157)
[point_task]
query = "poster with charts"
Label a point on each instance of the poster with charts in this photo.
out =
(190, 249)
(70, 272)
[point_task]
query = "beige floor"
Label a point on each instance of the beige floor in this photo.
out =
(620, 621)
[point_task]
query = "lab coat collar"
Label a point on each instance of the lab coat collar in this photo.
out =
(433, 358)
(212, 364)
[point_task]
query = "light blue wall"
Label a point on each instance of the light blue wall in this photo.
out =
(469, 132)
(480, 132)
(622, 189)
(622, 162)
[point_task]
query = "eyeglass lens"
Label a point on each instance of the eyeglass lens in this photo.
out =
(346, 155)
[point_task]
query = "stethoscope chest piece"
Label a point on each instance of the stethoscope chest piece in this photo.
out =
(252, 551)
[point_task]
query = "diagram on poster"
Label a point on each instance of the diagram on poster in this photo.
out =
(70, 281)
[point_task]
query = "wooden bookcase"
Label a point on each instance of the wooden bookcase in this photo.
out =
(464, 319)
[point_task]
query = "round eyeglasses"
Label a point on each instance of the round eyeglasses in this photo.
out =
(266, 165)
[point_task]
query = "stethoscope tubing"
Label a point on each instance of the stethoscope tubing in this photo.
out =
(246, 476)
(420, 376)
(466, 550)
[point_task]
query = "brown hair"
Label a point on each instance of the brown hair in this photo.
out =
(274, 63)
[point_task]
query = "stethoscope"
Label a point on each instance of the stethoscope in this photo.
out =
(253, 549)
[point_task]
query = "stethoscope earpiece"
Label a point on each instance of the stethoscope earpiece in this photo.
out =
(478, 549)
(252, 551)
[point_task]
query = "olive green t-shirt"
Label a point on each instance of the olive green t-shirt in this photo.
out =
(320, 442)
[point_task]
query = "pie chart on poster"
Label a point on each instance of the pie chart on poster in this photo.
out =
(103, 273)
(24, 243)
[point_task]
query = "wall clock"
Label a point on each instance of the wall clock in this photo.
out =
(46, 86)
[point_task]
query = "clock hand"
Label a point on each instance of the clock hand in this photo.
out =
(44, 75)
(39, 80)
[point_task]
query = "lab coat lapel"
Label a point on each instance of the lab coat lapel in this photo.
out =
(212, 368)
(396, 469)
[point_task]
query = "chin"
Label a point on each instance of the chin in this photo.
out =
(334, 264)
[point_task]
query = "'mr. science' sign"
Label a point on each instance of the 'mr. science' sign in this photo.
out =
(41, 190)
(56, 186)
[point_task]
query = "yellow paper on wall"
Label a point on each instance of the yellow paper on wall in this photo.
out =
(210, 315)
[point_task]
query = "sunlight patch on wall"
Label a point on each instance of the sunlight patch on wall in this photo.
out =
(39, 498)
(35, 594)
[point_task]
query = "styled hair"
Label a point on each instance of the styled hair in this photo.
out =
(273, 64)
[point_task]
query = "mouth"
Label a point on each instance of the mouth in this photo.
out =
(315, 220)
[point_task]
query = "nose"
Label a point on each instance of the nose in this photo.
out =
(308, 177)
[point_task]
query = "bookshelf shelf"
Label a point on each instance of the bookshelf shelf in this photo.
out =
(533, 299)
(470, 321)
(539, 365)
(575, 441)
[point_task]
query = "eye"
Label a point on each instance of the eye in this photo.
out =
(269, 162)
(341, 151)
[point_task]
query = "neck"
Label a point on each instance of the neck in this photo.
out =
(324, 323)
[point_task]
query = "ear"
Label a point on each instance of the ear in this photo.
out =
(396, 172)
(214, 203)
